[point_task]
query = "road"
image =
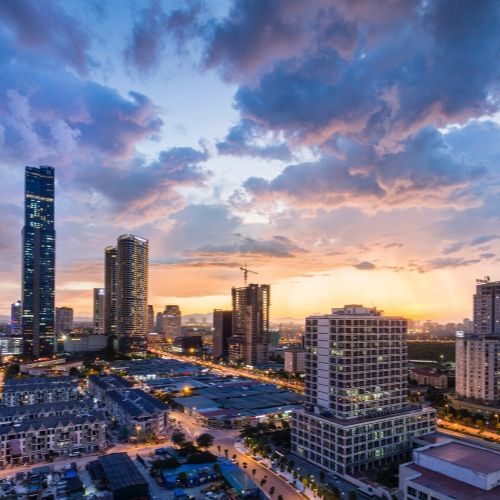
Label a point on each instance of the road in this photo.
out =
(461, 430)
(225, 439)
(238, 372)
(131, 449)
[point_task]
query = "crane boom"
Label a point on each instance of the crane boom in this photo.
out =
(245, 270)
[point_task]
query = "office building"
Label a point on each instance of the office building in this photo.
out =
(451, 470)
(172, 322)
(223, 327)
(16, 315)
(295, 360)
(132, 319)
(151, 319)
(99, 302)
(478, 353)
(85, 343)
(64, 320)
(187, 345)
(11, 345)
(110, 289)
(35, 390)
(38, 267)
(251, 321)
(356, 414)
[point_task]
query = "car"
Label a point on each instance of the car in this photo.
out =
(74, 454)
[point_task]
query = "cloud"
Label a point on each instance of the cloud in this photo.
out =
(442, 263)
(243, 140)
(479, 240)
(365, 266)
(64, 39)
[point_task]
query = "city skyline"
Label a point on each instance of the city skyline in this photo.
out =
(188, 128)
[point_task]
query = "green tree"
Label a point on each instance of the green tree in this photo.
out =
(182, 478)
(353, 495)
(178, 438)
(271, 490)
(205, 440)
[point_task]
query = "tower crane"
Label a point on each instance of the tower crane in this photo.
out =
(245, 270)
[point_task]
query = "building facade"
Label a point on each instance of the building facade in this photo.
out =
(223, 327)
(53, 437)
(132, 305)
(11, 345)
(64, 320)
(99, 317)
(251, 321)
(16, 316)
(172, 322)
(38, 267)
(151, 319)
(36, 390)
(478, 353)
(356, 414)
(110, 290)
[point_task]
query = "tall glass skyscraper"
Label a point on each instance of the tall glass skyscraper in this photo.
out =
(132, 293)
(110, 289)
(39, 255)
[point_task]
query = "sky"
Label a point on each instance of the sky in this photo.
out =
(345, 150)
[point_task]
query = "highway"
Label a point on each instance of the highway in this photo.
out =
(237, 372)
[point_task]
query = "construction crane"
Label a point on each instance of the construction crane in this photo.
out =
(245, 273)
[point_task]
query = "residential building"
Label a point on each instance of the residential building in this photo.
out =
(16, 316)
(135, 411)
(251, 321)
(356, 414)
(34, 390)
(64, 320)
(151, 319)
(236, 349)
(53, 437)
(110, 290)
(429, 376)
(478, 353)
(172, 322)
(99, 303)
(132, 305)
(295, 360)
(10, 415)
(38, 267)
(451, 470)
(223, 327)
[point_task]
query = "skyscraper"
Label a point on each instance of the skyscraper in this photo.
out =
(99, 303)
(251, 321)
(16, 313)
(478, 353)
(132, 296)
(356, 413)
(151, 319)
(159, 322)
(39, 255)
(64, 320)
(110, 289)
(172, 322)
(222, 331)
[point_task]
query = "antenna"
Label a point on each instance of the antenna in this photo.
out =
(245, 273)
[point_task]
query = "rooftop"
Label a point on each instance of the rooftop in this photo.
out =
(120, 471)
(19, 384)
(470, 457)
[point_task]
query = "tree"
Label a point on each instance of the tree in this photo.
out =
(12, 371)
(182, 478)
(263, 482)
(178, 438)
(271, 490)
(218, 448)
(226, 453)
(205, 440)
(353, 495)
(254, 471)
(280, 497)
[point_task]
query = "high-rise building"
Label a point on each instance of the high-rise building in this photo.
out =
(16, 314)
(64, 320)
(151, 319)
(38, 269)
(172, 322)
(223, 326)
(478, 353)
(132, 304)
(295, 360)
(356, 413)
(111, 289)
(251, 321)
(99, 302)
(159, 323)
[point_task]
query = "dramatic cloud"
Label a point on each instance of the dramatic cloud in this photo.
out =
(63, 38)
